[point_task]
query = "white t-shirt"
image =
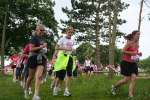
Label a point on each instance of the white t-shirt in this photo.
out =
(66, 43)
(87, 62)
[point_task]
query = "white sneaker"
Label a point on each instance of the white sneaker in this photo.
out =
(45, 80)
(35, 97)
(21, 83)
(52, 85)
(26, 95)
(30, 91)
(14, 80)
(67, 93)
(55, 91)
(113, 90)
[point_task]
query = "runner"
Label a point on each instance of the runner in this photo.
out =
(87, 66)
(14, 58)
(64, 63)
(19, 68)
(36, 62)
(25, 72)
(129, 68)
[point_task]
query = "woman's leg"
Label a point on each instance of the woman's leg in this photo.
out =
(119, 83)
(30, 77)
(14, 75)
(28, 82)
(132, 85)
(122, 81)
(38, 78)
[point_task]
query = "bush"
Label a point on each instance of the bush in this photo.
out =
(145, 64)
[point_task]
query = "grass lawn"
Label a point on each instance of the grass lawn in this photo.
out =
(95, 88)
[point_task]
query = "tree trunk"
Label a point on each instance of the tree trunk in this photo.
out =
(140, 15)
(3, 39)
(114, 31)
(110, 32)
(97, 19)
(6, 42)
(112, 36)
(98, 63)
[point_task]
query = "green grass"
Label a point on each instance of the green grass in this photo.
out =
(83, 88)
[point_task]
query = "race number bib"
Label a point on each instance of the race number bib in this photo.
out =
(135, 58)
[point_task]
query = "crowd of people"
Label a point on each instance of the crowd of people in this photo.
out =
(32, 63)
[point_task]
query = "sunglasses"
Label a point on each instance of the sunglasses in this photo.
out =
(42, 30)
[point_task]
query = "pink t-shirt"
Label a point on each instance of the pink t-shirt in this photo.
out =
(26, 51)
(14, 58)
(127, 57)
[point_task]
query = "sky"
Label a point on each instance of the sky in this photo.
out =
(131, 15)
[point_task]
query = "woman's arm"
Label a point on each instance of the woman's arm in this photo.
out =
(33, 48)
(61, 48)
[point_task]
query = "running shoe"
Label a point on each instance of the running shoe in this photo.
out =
(30, 91)
(55, 91)
(35, 97)
(26, 95)
(67, 93)
(113, 90)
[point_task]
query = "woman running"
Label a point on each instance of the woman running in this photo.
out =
(129, 67)
(87, 65)
(14, 59)
(36, 61)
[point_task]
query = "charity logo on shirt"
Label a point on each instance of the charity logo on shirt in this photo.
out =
(135, 58)
(69, 44)
(66, 43)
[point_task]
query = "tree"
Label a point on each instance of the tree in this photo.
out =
(114, 21)
(87, 18)
(112, 36)
(22, 17)
(86, 49)
(3, 38)
(144, 64)
(113, 16)
(90, 19)
(140, 14)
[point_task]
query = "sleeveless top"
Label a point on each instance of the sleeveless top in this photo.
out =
(131, 58)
